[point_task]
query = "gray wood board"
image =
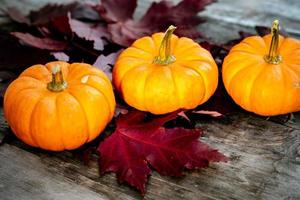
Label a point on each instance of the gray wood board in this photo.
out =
(265, 155)
(264, 164)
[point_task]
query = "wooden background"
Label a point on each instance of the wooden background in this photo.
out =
(264, 153)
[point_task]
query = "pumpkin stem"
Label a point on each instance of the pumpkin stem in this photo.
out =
(273, 57)
(164, 55)
(58, 83)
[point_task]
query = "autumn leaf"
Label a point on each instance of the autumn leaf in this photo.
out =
(124, 29)
(105, 63)
(95, 33)
(117, 10)
(50, 12)
(41, 43)
(137, 144)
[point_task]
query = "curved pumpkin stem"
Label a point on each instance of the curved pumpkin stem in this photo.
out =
(164, 56)
(58, 83)
(273, 57)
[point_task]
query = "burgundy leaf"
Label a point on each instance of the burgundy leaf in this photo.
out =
(50, 12)
(158, 17)
(16, 57)
(105, 63)
(117, 10)
(125, 161)
(41, 43)
(61, 25)
(138, 143)
(94, 33)
(60, 56)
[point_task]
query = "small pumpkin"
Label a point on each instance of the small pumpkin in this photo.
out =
(262, 74)
(59, 106)
(164, 73)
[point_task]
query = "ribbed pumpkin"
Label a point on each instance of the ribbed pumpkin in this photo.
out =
(59, 106)
(262, 74)
(164, 73)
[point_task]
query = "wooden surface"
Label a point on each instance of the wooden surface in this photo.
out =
(264, 154)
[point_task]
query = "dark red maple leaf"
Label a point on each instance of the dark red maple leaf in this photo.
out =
(41, 43)
(50, 12)
(94, 33)
(124, 29)
(117, 10)
(138, 143)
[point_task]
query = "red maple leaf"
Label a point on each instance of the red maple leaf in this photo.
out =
(124, 29)
(41, 43)
(138, 143)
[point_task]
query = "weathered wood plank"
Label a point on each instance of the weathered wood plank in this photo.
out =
(24, 176)
(264, 165)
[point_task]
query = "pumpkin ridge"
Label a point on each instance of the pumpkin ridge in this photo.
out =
(15, 99)
(250, 64)
(76, 79)
(145, 82)
(284, 80)
(120, 79)
(140, 49)
(264, 46)
(188, 67)
(131, 69)
(176, 87)
(196, 45)
(110, 105)
(246, 52)
(76, 72)
(14, 108)
(253, 84)
(195, 57)
(31, 121)
(106, 100)
(84, 113)
(203, 81)
(194, 60)
(291, 70)
(31, 77)
(134, 57)
(288, 67)
(58, 118)
(78, 76)
(228, 64)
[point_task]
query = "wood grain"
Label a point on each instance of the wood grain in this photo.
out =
(264, 164)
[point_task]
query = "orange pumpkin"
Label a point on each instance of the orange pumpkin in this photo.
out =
(164, 73)
(45, 110)
(262, 74)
